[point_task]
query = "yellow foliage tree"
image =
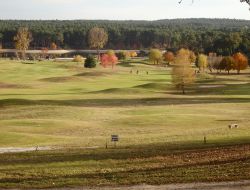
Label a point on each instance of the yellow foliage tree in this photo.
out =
(22, 40)
(133, 54)
(78, 59)
(110, 52)
(202, 62)
(192, 56)
(183, 74)
(155, 56)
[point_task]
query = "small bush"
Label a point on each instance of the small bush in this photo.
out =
(28, 62)
(90, 62)
(78, 59)
(123, 55)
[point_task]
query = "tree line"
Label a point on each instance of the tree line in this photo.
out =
(222, 36)
(212, 61)
(183, 71)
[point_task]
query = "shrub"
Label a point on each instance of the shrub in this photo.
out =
(90, 62)
(133, 54)
(78, 59)
(123, 55)
(28, 62)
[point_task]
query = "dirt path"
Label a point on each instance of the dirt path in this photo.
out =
(20, 149)
(241, 185)
(38, 148)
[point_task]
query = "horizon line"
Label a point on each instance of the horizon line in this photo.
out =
(180, 18)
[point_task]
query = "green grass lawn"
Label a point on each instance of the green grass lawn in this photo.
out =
(64, 105)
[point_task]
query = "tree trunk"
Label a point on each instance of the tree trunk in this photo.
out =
(183, 89)
(98, 54)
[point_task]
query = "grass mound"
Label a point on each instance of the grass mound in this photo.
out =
(155, 86)
(121, 91)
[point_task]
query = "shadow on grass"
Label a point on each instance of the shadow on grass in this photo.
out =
(123, 102)
(220, 89)
(181, 148)
(150, 164)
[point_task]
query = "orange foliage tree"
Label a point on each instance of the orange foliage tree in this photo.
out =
(109, 59)
(241, 62)
(169, 57)
(53, 46)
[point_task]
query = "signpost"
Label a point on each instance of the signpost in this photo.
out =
(115, 139)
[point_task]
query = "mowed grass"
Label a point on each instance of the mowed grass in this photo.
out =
(64, 106)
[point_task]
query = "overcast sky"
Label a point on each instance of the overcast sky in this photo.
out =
(122, 9)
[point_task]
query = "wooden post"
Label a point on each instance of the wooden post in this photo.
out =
(205, 140)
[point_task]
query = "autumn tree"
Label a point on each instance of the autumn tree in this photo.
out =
(109, 59)
(53, 46)
(202, 62)
(192, 56)
(211, 61)
(169, 57)
(183, 74)
(123, 55)
(78, 59)
(227, 64)
(133, 54)
(22, 40)
(44, 52)
(241, 62)
(155, 56)
(110, 52)
(214, 61)
(97, 38)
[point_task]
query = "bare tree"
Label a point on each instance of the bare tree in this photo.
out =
(247, 1)
(97, 38)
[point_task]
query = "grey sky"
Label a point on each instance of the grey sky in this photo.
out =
(122, 9)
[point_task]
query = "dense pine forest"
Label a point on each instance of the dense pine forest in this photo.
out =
(223, 36)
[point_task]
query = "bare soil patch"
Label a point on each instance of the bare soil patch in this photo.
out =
(9, 85)
(91, 74)
(58, 79)
(239, 185)
(212, 86)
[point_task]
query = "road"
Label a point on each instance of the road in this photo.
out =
(241, 185)
(56, 52)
